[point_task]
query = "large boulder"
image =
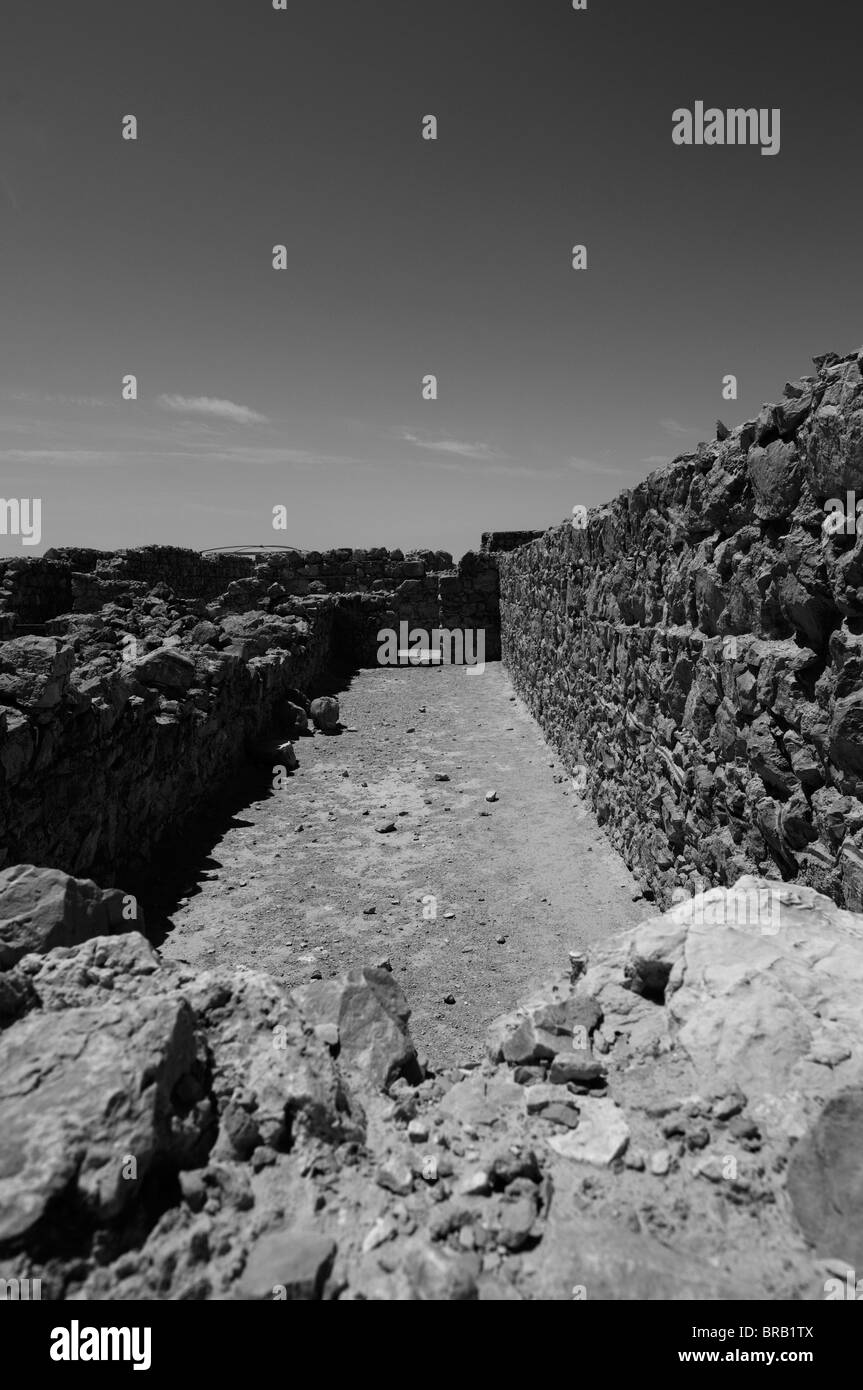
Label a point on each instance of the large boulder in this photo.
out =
(86, 1108)
(43, 908)
(165, 669)
(125, 1066)
(825, 1179)
(272, 1084)
(366, 1013)
(290, 1265)
(762, 984)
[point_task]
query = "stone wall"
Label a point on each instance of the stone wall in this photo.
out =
(102, 759)
(35, 589)
(696, 650)
(132, 698)
(494, 542)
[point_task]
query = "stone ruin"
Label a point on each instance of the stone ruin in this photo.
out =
(695, 650)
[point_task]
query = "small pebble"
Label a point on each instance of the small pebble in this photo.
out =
(491, 796)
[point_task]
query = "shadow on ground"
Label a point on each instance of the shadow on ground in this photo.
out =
(184, 859)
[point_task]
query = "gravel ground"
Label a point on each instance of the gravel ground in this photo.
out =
(302, 879)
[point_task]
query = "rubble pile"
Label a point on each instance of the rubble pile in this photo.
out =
(677, 1117)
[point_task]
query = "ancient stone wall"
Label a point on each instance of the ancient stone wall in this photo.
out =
(494, 542)
(104, 755)
(132, 698)
(33, 589)
(470, 599)
(696, 650)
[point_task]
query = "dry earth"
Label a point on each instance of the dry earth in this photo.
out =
(302, 879)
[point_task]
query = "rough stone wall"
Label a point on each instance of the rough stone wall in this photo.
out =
(136, 697)
(101, 759)
(697, 649)
(36, 588)
(470, 599)
(494, 542)
(33, 589)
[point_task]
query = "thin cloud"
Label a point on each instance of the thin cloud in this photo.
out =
(674, 427)
(57, 456)
(120, 458)
(451, 446)
(265, 457)
(212, 405)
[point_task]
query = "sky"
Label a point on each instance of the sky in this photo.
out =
(262, 388)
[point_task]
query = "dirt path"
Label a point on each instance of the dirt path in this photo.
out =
(302, 879)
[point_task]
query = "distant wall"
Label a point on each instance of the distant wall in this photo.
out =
(104, 756)
(495, 542)
(698, 648)
(425, 586)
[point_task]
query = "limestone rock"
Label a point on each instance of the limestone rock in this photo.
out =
(825, 1179)
(325, 712)
(128, 1066)
(806, 956)
(482, 1100)
(580, 1066)
(371, 1014)
(536, 1032)
(291, 1265)
(44, 908)
(436, 1275)
(777, 478)
(166, 669)
(83, 1092)
(602, 1134)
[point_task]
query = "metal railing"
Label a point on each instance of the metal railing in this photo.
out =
(254, 549)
